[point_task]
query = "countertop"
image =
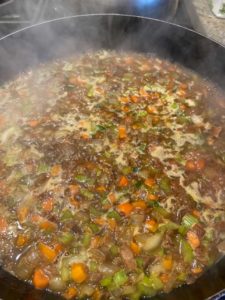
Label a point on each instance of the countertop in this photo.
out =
(204, 20)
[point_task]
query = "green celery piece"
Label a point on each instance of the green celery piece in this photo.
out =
(114, 215)
(162, 211)
(86, 240)
(65, 273)
(66, 238)
(93, 266)
(182, 276)
(66, 215)
(114, 250)
(120, 278)
(100, 128)
(182, 229)
(165, 185)
(189, 220)
(95, 212)
(187, 252)
(86, 193)
(140, 262)
(126, 170)
(81, 178)
(95, 228)
(106, 282)
(90, 93)
(42, 168)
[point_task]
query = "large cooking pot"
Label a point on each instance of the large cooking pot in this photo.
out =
(58, 38)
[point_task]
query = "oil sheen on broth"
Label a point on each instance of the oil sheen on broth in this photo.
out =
(112, 176)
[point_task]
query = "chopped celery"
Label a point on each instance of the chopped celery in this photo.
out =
(66, 215)
(140, 262)
(163, 212)
(182, 229)
(100, 128)
(120, 278)
(139, 184)
(114, 215)
(81, 178)
(66, 238)
(114, 250)
(165, 185)
(93, 266)
(95, 228)
(90, 93)
(106, 282)
(149, 285)
(42, 168)
(155, 282)
(189, 220)
(86, 240)
(65, 273)
(126, 170)
(86, 193)
(186, 251)
(142, 113)
(95, 212)
(182, 276)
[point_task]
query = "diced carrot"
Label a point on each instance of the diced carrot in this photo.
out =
(95, 241)
(48, 204)
(97, 294)
(142, 92)
(193, 239)
(48, 226)
(139, 205)
(123, 182)
(125, 108)
(150, 182)
(135, 248)
(196, 270)
(152, 197)
(200, 164)
(56, 170)
(78, 272)
(40, 279)
(168, 262)
(101, 189)
(196, 213)
(155, 120)
(48, 253)
(100, 221)
(74, 202)
(134, 98)
(151, 109)
(58, 248)
(190, 165)
(22, 213)
(151, 225)
(112, 197)
(84, 136)
(181, 93)
(125, 208)
(112, 224)
(70, 293)
(164, 277)
(124, 99)
(33, 123)
(122, 132)
(36, 218)
(74, 189)
(3, 225)
(21, 240)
